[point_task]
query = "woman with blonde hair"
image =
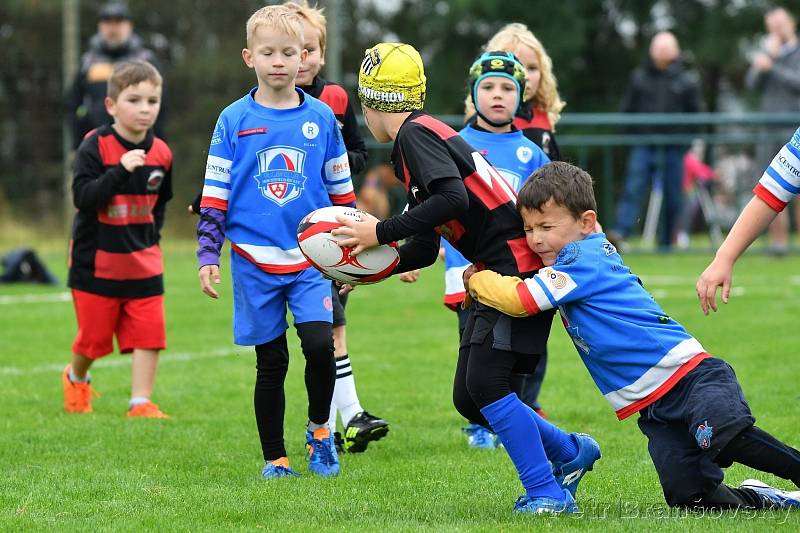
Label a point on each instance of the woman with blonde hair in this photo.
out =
(541, 107)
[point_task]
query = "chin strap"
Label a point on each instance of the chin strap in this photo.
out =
(492, 122)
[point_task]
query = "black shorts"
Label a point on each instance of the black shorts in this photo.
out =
(689, 426)
(339, 303)
(526, 336)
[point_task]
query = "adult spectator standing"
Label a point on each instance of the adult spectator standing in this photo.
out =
(662, 84)
(775, 74)
(114, 41)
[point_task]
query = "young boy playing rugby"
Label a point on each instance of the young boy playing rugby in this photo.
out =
(456, 193)
(123, 179)
(690, 405)
(276, 154)
(360, 427)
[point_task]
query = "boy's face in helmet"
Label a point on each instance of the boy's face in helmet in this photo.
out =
(496, 99)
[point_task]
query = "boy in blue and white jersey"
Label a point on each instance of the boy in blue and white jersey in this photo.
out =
(690, 404)
(276, 154)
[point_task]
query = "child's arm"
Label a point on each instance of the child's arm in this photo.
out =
(447, 201)
(563, 283)
(494, 290)
(755, 218)
(164, 196)
(776, 188)
(214, 208)
(93, 186)
(336, 172)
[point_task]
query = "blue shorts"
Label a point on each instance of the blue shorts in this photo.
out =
(260, 300)
(690, 425)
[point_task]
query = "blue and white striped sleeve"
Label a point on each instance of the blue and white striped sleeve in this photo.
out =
(781, 181)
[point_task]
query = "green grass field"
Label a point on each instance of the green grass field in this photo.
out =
(200, 470)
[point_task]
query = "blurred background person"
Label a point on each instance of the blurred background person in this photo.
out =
(663, 84)
(697, 188)
(114, 41)
(775, 74)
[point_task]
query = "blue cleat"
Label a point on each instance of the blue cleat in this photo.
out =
(545, 505)
(568, 475)
(773, 498)
(322, 457)
(480, 437)
(273, 471)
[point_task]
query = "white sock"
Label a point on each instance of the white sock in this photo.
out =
(137, 400)
(344, 393)
(332, 416)
(312, 427)
(75, 379)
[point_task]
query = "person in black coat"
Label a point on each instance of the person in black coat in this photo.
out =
(662, 84)
(114, 42)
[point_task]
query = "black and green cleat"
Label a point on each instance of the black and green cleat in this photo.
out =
(362, 429)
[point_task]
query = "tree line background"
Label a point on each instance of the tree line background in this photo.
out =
(594, 46)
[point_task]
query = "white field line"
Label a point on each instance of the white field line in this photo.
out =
(166, 358)
(11, 299)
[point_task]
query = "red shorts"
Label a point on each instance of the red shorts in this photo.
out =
(137, 323)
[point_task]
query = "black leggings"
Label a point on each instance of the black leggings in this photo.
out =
(752, 447)
(483, 376)
(272, 362)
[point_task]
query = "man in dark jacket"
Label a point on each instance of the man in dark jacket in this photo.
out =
(661, 85)
(113, 42)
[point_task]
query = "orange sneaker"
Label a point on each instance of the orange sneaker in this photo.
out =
(146, 410)
(77, 396)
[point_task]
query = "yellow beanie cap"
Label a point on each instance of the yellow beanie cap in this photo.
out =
(392, 78)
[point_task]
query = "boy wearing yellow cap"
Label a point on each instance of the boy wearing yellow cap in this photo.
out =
(453, 192)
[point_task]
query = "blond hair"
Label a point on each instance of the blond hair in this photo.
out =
(278, 18)
(314, 17)
(509, 39)
(128, 73)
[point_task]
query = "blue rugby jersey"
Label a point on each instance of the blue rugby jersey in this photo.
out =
(633, 350)
(515, 157)
(267, 169)
(781, 180)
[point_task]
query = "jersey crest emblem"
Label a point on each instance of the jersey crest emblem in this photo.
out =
(280, 178)
(703, 435)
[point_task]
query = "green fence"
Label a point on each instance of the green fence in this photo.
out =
(599, 142)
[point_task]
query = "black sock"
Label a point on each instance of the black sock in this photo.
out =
(316, 340)
(758, 449)
(272, 362)
(725, 497)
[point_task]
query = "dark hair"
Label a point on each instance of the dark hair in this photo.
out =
(567, 185)
(127, 73)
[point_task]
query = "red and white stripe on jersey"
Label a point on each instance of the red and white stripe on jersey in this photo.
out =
(217, 184)
(657, 381)
(781, 181)
(272, 259)
(533, 297)
(454, 292)
(337, 180)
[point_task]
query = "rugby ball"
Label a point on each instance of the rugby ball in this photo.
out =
(323, 251)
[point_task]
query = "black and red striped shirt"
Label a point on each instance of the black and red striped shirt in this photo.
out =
(490, 232)
(115, 237)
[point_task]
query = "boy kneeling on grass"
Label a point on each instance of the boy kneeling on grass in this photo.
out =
(690, 404)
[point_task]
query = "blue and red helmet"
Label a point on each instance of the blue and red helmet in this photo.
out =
(496, 63)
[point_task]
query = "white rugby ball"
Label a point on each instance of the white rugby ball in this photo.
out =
(336, 262)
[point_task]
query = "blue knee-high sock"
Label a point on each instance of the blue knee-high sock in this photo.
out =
(510, 420)
(559, 446)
